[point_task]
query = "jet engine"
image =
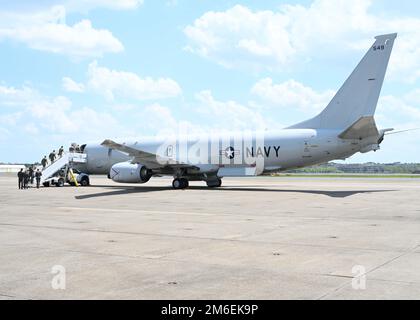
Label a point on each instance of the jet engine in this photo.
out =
(127, 172)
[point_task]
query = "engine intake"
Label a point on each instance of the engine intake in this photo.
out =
(127, 172)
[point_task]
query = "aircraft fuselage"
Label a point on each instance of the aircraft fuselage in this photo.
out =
(273, 151)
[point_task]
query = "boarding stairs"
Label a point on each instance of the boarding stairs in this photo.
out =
(64, 162)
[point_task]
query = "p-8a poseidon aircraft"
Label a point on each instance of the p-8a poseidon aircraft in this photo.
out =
(346, 126)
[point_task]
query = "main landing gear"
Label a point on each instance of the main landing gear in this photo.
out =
(180, 183)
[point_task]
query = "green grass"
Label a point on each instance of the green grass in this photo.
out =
(346, 175)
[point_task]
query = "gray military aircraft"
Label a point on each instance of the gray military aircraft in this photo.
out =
(346, 126)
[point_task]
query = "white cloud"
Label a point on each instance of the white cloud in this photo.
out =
(413, 96)
(156, 117)
(10, 118)
(172, 3)
(240, 37)
(399, 109)
(72, 86)
(160, 120)
(86, 5)
(10, 96)
(95, 124)
(48, 31)
(400, 113)
(229, 115)
(31, 129)
(291, 94)
(52, 115)
(125, 84)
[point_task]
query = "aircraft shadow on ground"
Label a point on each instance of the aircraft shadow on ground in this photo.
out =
(128, 190)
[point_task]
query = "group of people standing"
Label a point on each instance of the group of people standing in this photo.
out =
(28, 176)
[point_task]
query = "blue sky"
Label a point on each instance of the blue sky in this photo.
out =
(86, 70)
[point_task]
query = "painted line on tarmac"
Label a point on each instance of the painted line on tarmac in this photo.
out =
(136, 211)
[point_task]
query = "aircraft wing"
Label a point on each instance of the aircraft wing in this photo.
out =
(148, 159)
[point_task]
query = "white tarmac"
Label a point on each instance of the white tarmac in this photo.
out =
(254, 238)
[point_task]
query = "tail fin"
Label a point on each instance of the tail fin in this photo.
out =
(359, 95)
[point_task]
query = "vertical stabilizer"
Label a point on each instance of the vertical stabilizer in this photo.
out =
(359, 95)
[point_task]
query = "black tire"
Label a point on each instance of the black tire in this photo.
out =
(214, 183)
(180, 183)
(177, 184)
(185, 183)
(60, 182)
(84, 182)
(46, 184)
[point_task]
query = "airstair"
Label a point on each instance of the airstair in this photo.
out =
(64, 163)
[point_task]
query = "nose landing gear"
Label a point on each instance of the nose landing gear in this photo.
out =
(180, 183)
(214, 183)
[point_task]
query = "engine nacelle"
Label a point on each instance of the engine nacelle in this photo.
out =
(127, 172)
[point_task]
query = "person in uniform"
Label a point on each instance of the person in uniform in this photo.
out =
(52, 156)
(60, 151)
(44, 162)
(20, 179)
(38, 175)
(25, 179)
(31, 174)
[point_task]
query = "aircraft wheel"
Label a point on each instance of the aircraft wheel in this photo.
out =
(85, 182)
(60, 182)
(180, 183)
(176, 184)
(185, 183)
(214, 183)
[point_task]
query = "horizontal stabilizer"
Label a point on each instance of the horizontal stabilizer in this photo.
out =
(362, 128)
